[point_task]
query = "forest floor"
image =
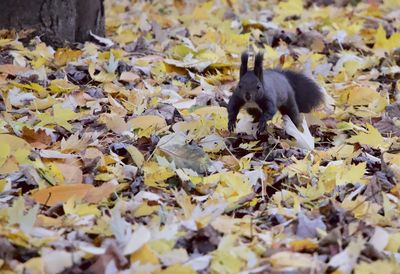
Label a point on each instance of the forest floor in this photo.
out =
(115, 154)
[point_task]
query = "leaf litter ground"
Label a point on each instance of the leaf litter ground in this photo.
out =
(115, 154)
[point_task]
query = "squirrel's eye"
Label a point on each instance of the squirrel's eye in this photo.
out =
(258, 86)
(240, 86)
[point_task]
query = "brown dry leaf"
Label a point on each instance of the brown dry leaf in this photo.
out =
(72, 174)
(12, 69)
(3, 80)
(130, 77)
(95, 195)
(37, 138)
(75, 143)
(115, 123)
(116, 107)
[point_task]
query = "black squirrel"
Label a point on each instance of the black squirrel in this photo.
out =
(263, 92)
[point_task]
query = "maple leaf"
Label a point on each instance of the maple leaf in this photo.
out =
(60, 117)
(372, 138)
(386, 43)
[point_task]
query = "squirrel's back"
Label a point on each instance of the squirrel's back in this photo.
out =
(307, 93)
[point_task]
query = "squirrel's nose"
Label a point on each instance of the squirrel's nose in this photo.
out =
(248, 97)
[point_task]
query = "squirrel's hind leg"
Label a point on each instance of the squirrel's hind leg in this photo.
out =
(292, 111)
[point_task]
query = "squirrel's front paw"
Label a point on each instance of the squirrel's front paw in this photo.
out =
(261, 127)
(231, 125)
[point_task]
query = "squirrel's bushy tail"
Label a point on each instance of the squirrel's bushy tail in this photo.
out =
(307, 93)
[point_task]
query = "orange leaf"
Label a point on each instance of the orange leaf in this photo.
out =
(12, 69)
(60, 194)
(97, 194)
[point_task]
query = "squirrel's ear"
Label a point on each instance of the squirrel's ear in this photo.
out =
(243, 66)
(258, 65)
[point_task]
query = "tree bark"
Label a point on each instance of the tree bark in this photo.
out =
(55, 21)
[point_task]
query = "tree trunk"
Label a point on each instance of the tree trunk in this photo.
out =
(55, 21)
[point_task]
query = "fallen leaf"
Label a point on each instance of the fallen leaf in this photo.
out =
(60, 194)
(128, 76)
(95, 195)
(12, 69)
(36, 138)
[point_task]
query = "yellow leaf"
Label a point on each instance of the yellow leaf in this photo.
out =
(136, 155)
(145, 210)
(65, 55)
(146, 121)
(114, 123)
(233, 186)
(32, 86)
(360, 95)
(13, 150)
(32, 266)
(38, 62)
(303, 245)
(62, 86)
(104, 177)
(9, 166)
(147, 124)
(3, 183)
(155, 175)
(20, 238)
(360, 207)
(71, 207)
(42, 104)
(44, 221)
(371, 138)
(392, 158)
(213, 110)
(202, 11)
(382, 266)
(4, 152)
(161, 246)
(391, 4)
(244, 162)
(291, 259)
(312, 192)
(60, 117)
(394, 242)
(145, 255)
(56, 173)
(226, 258)
(180, 51)
(352, 174)
(386, 43)
(288, 8)
(102, 76)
